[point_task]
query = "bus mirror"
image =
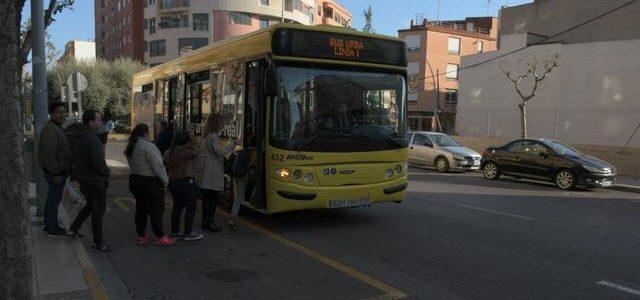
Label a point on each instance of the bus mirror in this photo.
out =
(270, 83)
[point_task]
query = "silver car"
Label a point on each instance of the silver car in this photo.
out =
(441, 151)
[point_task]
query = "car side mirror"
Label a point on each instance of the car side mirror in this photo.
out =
(428, 145)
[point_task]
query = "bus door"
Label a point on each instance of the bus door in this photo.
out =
(254, 132)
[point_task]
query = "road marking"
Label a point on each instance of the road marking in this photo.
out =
(390, 291)
(115, 163)
(89, 271)
(497, 212)
(619, 287)
(120, 201)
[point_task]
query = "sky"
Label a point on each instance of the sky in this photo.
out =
(388, 15)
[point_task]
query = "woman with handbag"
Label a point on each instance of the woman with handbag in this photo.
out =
(211, 179)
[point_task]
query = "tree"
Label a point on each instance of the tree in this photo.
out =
(528, 83)
(368, 20)
(14, 261)
(55, 7)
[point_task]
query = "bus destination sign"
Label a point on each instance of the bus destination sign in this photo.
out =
(338, 46)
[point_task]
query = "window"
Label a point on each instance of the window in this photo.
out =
(146, 46)
(145, 25)
(519, 146)
(157, 48)
(480, 45)
(288, 5)
(264, 2)
(451, 98)
(452, 71)
(152, 25)
(200, 22)
(188, 44)
(297, 5)
(454, 46)
(176, 21)
(413, 42)
(264, 23)
(421, 140)
(199, 96)
(240, 18)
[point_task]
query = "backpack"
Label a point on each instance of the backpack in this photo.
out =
(241, 164)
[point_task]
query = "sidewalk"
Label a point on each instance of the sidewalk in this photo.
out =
(627, 184)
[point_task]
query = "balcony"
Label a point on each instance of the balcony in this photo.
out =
(173, 4)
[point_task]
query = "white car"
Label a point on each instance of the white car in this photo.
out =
(442, 152)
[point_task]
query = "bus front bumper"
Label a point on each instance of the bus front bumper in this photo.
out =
(288, 196)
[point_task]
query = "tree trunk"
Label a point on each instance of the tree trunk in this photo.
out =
(523, 120)
(14, 261)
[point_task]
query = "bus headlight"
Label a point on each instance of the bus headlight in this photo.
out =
(398, 169)
(388, 174)
(308, 179)
(282, 172)
(297, 174)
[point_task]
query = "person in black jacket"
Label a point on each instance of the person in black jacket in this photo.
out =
(165, 136)
(90, 169)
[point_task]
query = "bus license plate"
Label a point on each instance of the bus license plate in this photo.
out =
(340, 203)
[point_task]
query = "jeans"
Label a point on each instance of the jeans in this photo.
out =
(53, 201)
(149, 194)
(185, 195)
(209, 205)
(95, 195)
(240, 186)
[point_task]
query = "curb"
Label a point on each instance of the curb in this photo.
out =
(626, 188)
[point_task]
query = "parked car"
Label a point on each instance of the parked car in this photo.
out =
(441, 151)
(547, 160)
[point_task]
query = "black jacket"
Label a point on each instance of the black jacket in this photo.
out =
(88, 165)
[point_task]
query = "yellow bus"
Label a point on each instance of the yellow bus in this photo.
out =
(324, 109)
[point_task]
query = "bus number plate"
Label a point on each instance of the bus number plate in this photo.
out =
(357, 202)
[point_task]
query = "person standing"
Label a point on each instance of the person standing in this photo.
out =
(165, 136)
(90, 169)
(211, 179)
(182, 166)
(147, 182)
(54, 157)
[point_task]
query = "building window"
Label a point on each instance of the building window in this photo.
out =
(200, 22)
(157, 48)
(186, 45)
(145, 25)
(152, 25)
(452, 71)
(176, 21)
(240, 18)
(453, 46)
(146, 46)
(480, 46)
(451, 98)
(264, 23)
(297, 5)
(288, 5)
(413, 42)
(168, 4)
(264, 2)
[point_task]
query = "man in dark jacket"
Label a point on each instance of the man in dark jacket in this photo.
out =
(54, 157)
(90, 169)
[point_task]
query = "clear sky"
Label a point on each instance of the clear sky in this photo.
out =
(388, 15)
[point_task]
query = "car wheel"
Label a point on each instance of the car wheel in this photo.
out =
(442, 164)
(565, 180)
(491, 171)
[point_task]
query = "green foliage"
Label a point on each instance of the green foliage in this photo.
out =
(109, 83)
(368, 20)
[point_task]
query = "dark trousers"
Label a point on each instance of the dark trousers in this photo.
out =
(185, 195)
(53, 201)
(209, 205)
(149, 194)
(95, 195)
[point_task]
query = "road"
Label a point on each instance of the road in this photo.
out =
(457, 236)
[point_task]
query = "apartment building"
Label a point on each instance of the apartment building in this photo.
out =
(118, 29)
(434, 52)
(175, 27)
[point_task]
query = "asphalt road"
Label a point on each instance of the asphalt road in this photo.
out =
(457, 236)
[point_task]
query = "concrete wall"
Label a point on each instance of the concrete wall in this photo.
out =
(549, 17)
(626, 160)
(591, 98)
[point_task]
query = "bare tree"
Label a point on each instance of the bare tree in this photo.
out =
(528, 83)
(368, 20)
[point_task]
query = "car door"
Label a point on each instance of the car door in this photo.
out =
(537, 160)
(509, 156)
(412, 152)
(421, 146)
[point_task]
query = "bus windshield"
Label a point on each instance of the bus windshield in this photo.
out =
(338, 111)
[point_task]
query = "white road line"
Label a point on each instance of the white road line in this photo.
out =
(619, 287)
(497, 212)
(115, 163)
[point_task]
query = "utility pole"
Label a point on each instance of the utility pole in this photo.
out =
(282, 14)
(40, 102)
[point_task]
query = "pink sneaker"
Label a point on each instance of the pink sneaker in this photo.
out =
(165, 241)
(143, 240)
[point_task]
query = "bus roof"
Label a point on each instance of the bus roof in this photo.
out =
(252, 44)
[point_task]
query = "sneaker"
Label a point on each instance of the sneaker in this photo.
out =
(73, 234)
(58, 232)
(193, 237)
(232, 225)
(101, 247)
(177, 236)
(164, 241)
(143, 240)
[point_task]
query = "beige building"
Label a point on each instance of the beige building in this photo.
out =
(175, 27)
(434, 52)
(79, 51)
(590, 98)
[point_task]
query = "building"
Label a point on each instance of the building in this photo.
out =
(79, 51)
(175, 27)
(590, 98)
(434, 52)
(119, 29)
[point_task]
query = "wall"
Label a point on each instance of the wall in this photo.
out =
(625, 159)
(593, 91)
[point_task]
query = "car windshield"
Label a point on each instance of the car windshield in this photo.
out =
(335, 111)
(442, 140)
(562, 149)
